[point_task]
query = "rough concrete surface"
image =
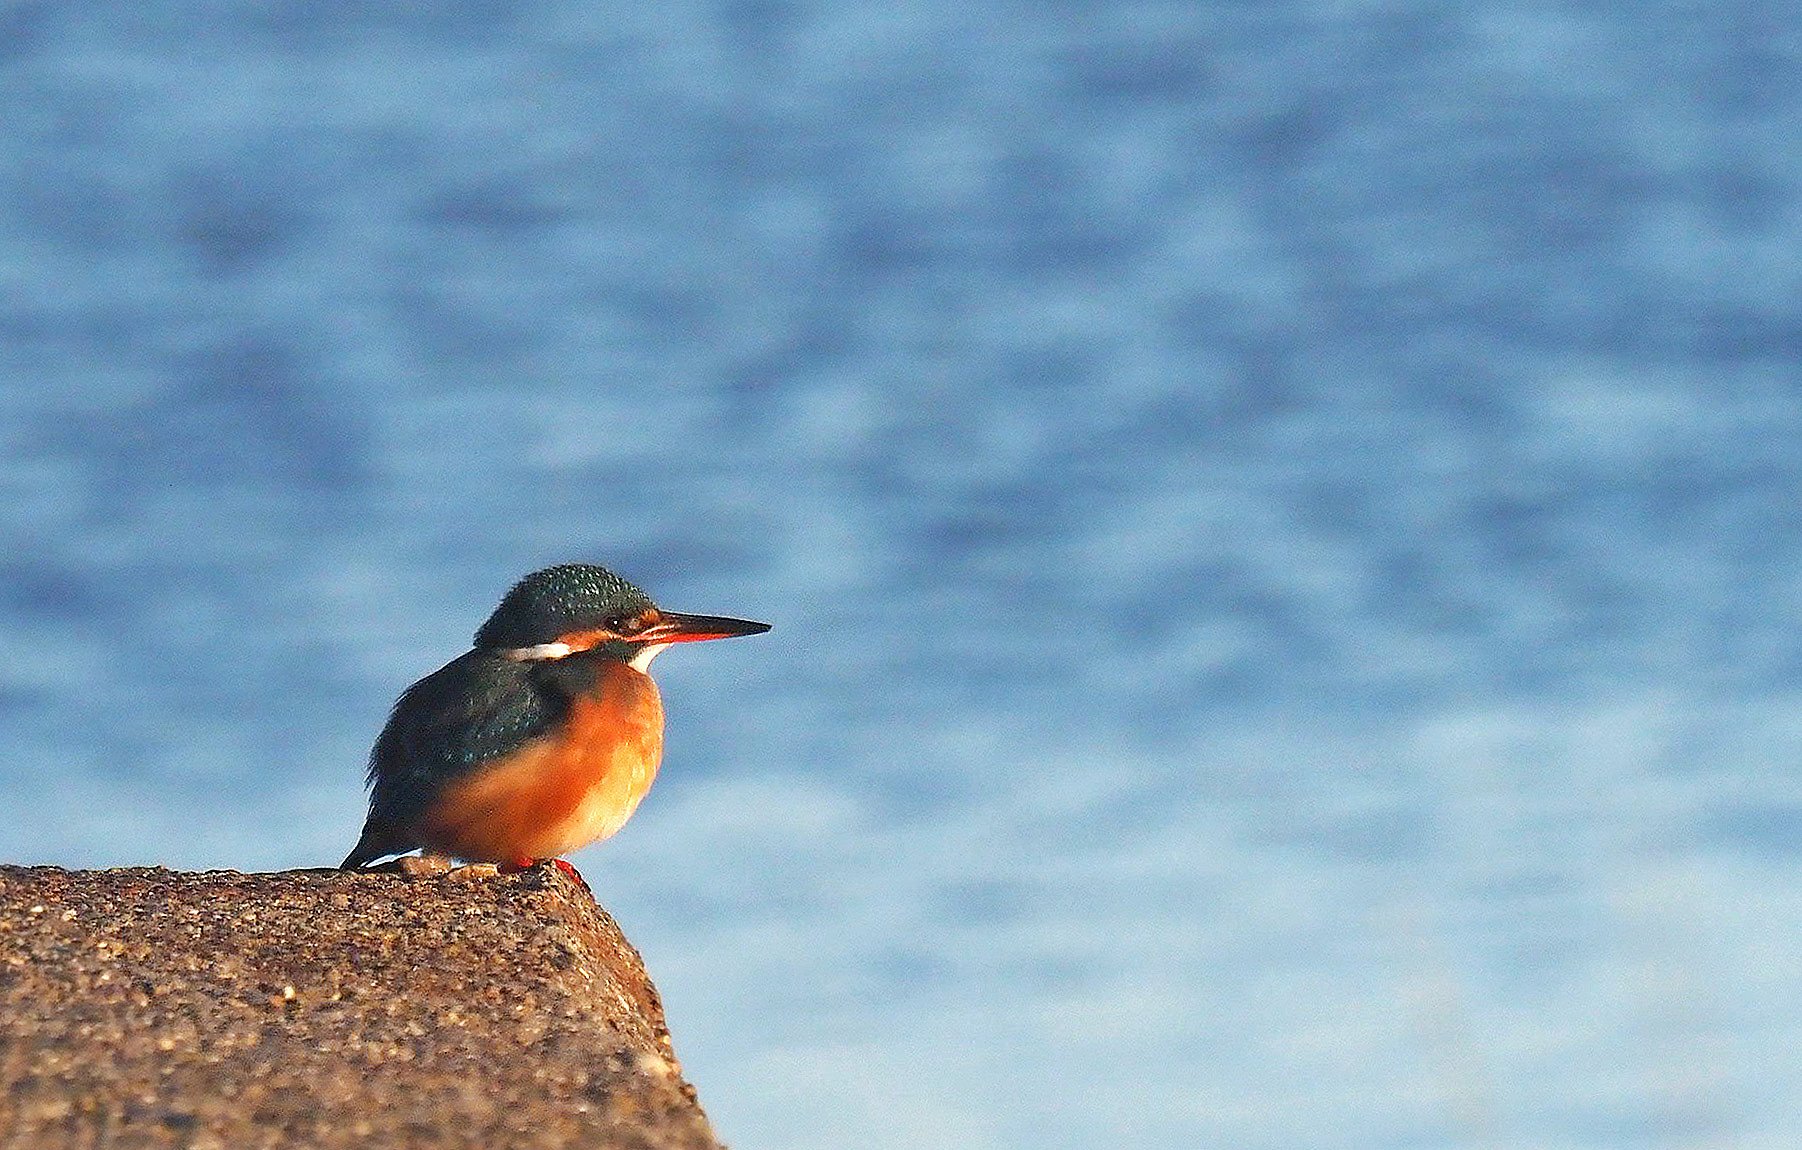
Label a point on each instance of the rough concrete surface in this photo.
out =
(319, 1009)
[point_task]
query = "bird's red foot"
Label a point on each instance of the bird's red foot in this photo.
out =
(522, 864)
(575, 875)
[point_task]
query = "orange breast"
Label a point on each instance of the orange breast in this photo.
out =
(573, 787)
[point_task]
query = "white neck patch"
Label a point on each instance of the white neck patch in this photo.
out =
(541, 651)
(640, 661)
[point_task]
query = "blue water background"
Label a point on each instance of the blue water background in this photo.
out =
(1281, 522)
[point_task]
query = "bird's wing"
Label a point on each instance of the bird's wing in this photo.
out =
(474, 709)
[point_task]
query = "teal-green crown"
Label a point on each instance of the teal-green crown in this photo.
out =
(557, 600)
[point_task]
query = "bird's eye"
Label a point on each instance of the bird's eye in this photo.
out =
(620, 624)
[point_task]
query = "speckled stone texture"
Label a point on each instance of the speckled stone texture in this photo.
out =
(321, 1009)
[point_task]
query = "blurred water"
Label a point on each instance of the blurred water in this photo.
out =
(1280, 520)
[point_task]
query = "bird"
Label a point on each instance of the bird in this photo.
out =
(542, 738)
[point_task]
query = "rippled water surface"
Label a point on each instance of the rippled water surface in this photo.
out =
(1280, 520)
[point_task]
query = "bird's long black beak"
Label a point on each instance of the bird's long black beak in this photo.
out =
(672, 627)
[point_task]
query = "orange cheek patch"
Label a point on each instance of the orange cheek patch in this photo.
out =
(584, 640)
(574, 786)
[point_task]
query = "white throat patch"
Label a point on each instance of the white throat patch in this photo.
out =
(641, 661)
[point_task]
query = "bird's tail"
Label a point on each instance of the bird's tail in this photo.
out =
(378, 839)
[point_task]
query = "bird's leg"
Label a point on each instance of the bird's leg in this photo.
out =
(522, 864)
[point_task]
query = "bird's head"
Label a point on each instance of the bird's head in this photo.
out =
(577, 607)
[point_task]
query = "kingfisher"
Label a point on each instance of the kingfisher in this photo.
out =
(542, 738)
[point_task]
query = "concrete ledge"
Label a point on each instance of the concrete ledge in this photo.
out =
(319, 1009)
